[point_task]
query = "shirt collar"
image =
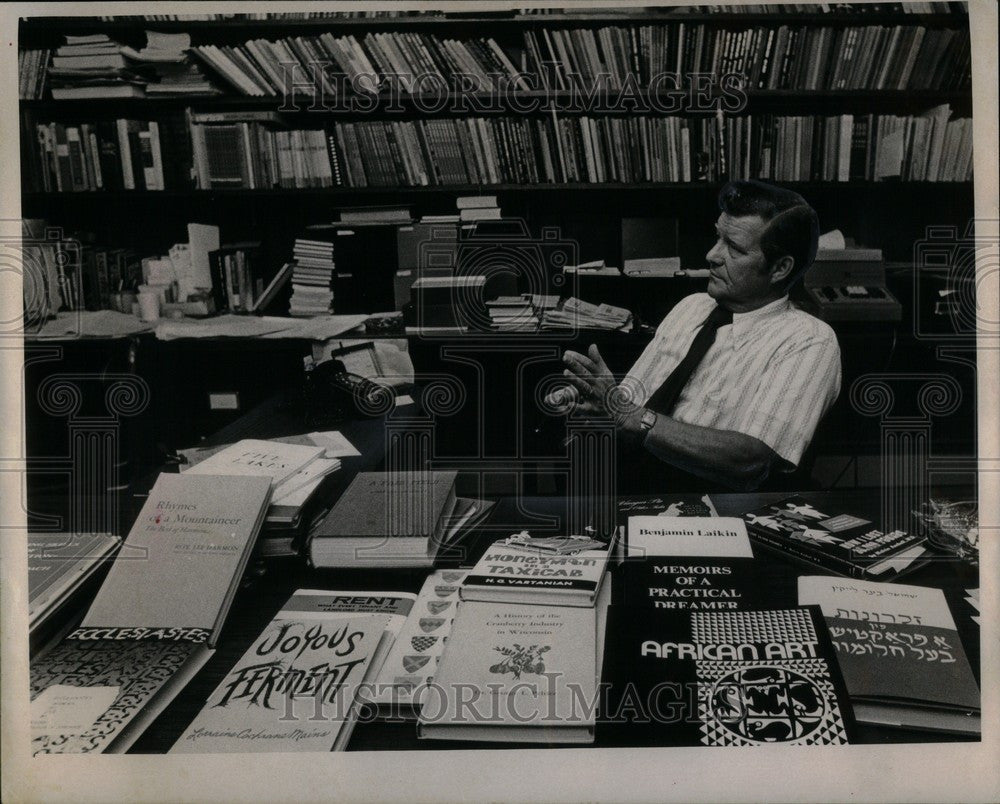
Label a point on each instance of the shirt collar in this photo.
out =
(743, 323)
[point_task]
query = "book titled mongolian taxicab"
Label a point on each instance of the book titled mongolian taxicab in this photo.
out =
(300, 685)
(155, 619)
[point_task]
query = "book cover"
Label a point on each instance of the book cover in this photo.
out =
(385, 518)
(414, 657)
(727, 678)
(255, 457)
(58, 564)
(688, 564)
(530, 672)
(94, 696)
(834, 540)
(516, 569)
(177, 571)
(899, 651)
(296, 689)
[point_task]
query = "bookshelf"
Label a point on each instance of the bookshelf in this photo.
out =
(886, 211)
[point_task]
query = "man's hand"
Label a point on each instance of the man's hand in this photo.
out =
(593, 390)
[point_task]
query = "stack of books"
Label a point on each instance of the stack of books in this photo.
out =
(575, 313)
(520, 313)
(472, 208)
(311, 277)
(171, 72)
(93, 66)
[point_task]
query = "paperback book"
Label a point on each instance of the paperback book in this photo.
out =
(722, 678)
(298, 687)
(155, 619)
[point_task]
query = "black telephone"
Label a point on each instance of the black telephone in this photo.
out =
(332, 393)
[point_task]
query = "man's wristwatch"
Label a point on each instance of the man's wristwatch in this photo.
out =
(646, 422)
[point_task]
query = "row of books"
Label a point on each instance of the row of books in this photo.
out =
(251, 154)
(546, 618)
(913, 7)
(32, 65)
(785, 57)
(118, 154)
(872, 57)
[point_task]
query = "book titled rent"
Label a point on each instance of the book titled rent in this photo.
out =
(522, 574)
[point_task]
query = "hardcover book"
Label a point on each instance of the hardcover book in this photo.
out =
(722, 678)
(567, 573)
(532, 672)
(900, 653)
(835, 540)
(386, 519)
(298, 687)
(688, 564)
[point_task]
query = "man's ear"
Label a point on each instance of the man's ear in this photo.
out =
(781, 270)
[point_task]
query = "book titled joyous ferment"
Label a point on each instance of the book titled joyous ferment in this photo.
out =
(726, 678)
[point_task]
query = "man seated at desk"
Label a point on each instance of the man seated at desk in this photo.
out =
(734, 382)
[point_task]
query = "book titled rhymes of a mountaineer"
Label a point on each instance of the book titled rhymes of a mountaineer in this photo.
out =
(154, 620)
(721, 678)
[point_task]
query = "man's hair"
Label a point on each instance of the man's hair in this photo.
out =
(792, 226)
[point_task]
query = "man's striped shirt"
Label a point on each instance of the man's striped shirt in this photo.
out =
(771, 374)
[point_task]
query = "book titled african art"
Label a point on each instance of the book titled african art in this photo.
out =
(721, 678)
(835, 540)
(900, 653)
(688, 564)
(299, 686)
(155, 619)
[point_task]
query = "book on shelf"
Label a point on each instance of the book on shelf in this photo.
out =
(558, 571)
(838, 541)
(737, 678)
(533, 671)
(900, 653)
(688, 564)
(300, 685)
(155, 619)
(412, 661)
(59, 566)
(386, 519)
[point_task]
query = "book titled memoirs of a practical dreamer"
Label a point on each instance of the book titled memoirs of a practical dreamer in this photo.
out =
(688, 564)
(835, 540)
(900, 653)
(518, 673)
(556, 571)
(299, 686)
(722, 678)
(155, 619)
(386, 519)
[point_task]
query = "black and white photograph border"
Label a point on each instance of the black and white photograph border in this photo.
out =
(899, 402)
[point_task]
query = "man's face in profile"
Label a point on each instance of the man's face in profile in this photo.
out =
(739, 278)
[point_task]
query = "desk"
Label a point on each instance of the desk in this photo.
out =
(264, 591)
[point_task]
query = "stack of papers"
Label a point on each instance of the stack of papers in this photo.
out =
(577, 314)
